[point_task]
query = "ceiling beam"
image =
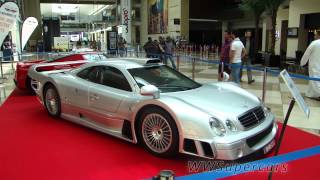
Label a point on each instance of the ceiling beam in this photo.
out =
(80, 1)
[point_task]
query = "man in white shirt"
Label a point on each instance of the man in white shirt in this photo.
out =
(312, 55)
(237, 52)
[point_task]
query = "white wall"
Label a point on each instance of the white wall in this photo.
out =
(283, 14)
(298, 7)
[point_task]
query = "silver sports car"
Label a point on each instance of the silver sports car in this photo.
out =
(142, 100)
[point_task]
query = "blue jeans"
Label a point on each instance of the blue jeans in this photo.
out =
(171, 60)
(235, 72)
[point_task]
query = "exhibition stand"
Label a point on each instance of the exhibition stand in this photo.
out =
(36, 146)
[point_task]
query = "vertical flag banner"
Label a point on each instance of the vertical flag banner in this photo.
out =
(9, 12)
(126, 20)
(29, 25)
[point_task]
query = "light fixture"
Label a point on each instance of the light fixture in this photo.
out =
(65, 8)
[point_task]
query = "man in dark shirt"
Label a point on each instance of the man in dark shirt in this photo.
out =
(248, 43)
(148, 47)
(224, 55)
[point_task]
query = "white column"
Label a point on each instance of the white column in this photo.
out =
(264, 35)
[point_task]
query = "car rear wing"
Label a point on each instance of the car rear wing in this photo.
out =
(40, 72)
(142, 61)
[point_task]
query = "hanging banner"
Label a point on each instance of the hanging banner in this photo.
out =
(9, 12)
(126, 19)
(29, 25)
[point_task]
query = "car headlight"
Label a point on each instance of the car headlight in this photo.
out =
(266, 110)
(231, 126)
(217, 126)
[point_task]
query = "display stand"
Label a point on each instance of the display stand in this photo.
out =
(292, 102)
(296, 98)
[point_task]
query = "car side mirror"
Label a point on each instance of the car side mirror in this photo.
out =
(150, 90)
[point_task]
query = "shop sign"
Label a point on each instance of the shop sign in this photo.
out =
(126, 20)
(29, 25)
(9, 12)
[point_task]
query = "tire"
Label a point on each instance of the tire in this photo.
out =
(161, 140)
(51, 100)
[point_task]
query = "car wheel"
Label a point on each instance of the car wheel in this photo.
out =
(52, 101)
(158, 132)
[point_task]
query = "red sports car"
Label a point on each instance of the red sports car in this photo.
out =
(23, 81)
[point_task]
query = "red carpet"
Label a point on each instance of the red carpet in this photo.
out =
(34, 146)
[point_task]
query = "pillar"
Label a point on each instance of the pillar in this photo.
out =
(184, 20)
(264, 35)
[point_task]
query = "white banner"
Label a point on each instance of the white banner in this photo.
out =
(126, 20)
(9, 12)
(29, 25)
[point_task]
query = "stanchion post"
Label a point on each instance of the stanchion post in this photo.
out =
(1, 68)
(193, 68)
(292, 102)
(12, 66)
(178, 63)
(264, 83)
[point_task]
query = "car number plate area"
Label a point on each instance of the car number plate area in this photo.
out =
(268, 147)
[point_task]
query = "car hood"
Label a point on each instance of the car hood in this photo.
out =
(225, 99)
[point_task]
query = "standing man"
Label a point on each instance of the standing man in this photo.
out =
(169, 52)
(99, 45)
(122, 46)
(147, 47)
(224, 55)
(248, 43)
(237, 52)
(312, 55)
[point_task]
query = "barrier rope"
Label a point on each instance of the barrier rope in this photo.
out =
(164, 55)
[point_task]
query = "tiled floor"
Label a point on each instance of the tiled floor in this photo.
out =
(277, 94)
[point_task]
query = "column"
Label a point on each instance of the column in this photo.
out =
(184, 20)
(264, 35)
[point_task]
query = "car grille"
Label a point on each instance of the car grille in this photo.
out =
(258, 137)
(252, 117)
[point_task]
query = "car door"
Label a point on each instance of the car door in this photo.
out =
(78, 90)
(106, 97)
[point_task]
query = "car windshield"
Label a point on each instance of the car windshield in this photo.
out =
(163, 77)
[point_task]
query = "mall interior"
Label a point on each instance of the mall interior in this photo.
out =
(43, 42)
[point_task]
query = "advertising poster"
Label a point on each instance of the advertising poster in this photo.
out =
(61, 43)
(157, 16)
(29, 25)
(112, 41)
(9, 12)
(126, 19)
